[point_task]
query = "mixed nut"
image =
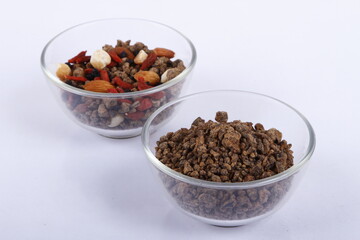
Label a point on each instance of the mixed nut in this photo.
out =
(120, 69)
(123, 68)
(229, 152)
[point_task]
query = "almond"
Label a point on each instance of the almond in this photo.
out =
(163, 52)
(148, 76)
(98, 86)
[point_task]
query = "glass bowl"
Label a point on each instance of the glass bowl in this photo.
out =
(230, 204)
(82, 105)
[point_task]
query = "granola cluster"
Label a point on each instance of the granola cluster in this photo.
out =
(225, 151)
(229, 152)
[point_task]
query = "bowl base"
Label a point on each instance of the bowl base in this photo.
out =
(115, 134)
(118, 136)
(228, 223)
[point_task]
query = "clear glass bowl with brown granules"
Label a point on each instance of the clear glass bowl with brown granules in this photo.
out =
(220, 199)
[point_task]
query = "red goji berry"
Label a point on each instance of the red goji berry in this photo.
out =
(112, 90)
(135, 115)
(157, 95)
(145, 104)
(120, 90)
(104, 75)
(81, 79)
(149, 61)
(114, 56)
(88, 71)
(112, 64)
(83, 59)
(81, 54)
(122, 84)
(98, 78)
(125, 100)
(138, 99)
(143, 86)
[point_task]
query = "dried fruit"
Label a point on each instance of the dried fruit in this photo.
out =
(62, 71)
(112, 64)
(80, 55)
(125, 100)
(91, 73)
(100, 59)
(81, 79)
(163, 52)
(120, 50)
(140, 57)
(120, 90)
(148, 76)
(98, 86)
(119, 65)
(114, 56)
(157, 95)
(82, 59)
(149, 61)
(112, 90)
(145, 104)
(121, 83)
(119, 61)
(143, 86)
(104, 75)
(135, 115)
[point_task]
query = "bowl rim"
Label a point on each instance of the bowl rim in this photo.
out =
(81, 92)
(221, 185)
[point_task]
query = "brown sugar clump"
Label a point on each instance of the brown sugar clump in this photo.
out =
(225, 151)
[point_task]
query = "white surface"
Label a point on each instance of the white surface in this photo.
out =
(58, 181)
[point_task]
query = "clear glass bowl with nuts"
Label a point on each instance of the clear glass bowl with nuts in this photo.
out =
(228, 173)
(110, 75)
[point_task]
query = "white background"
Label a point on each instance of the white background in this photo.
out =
(58, 181)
